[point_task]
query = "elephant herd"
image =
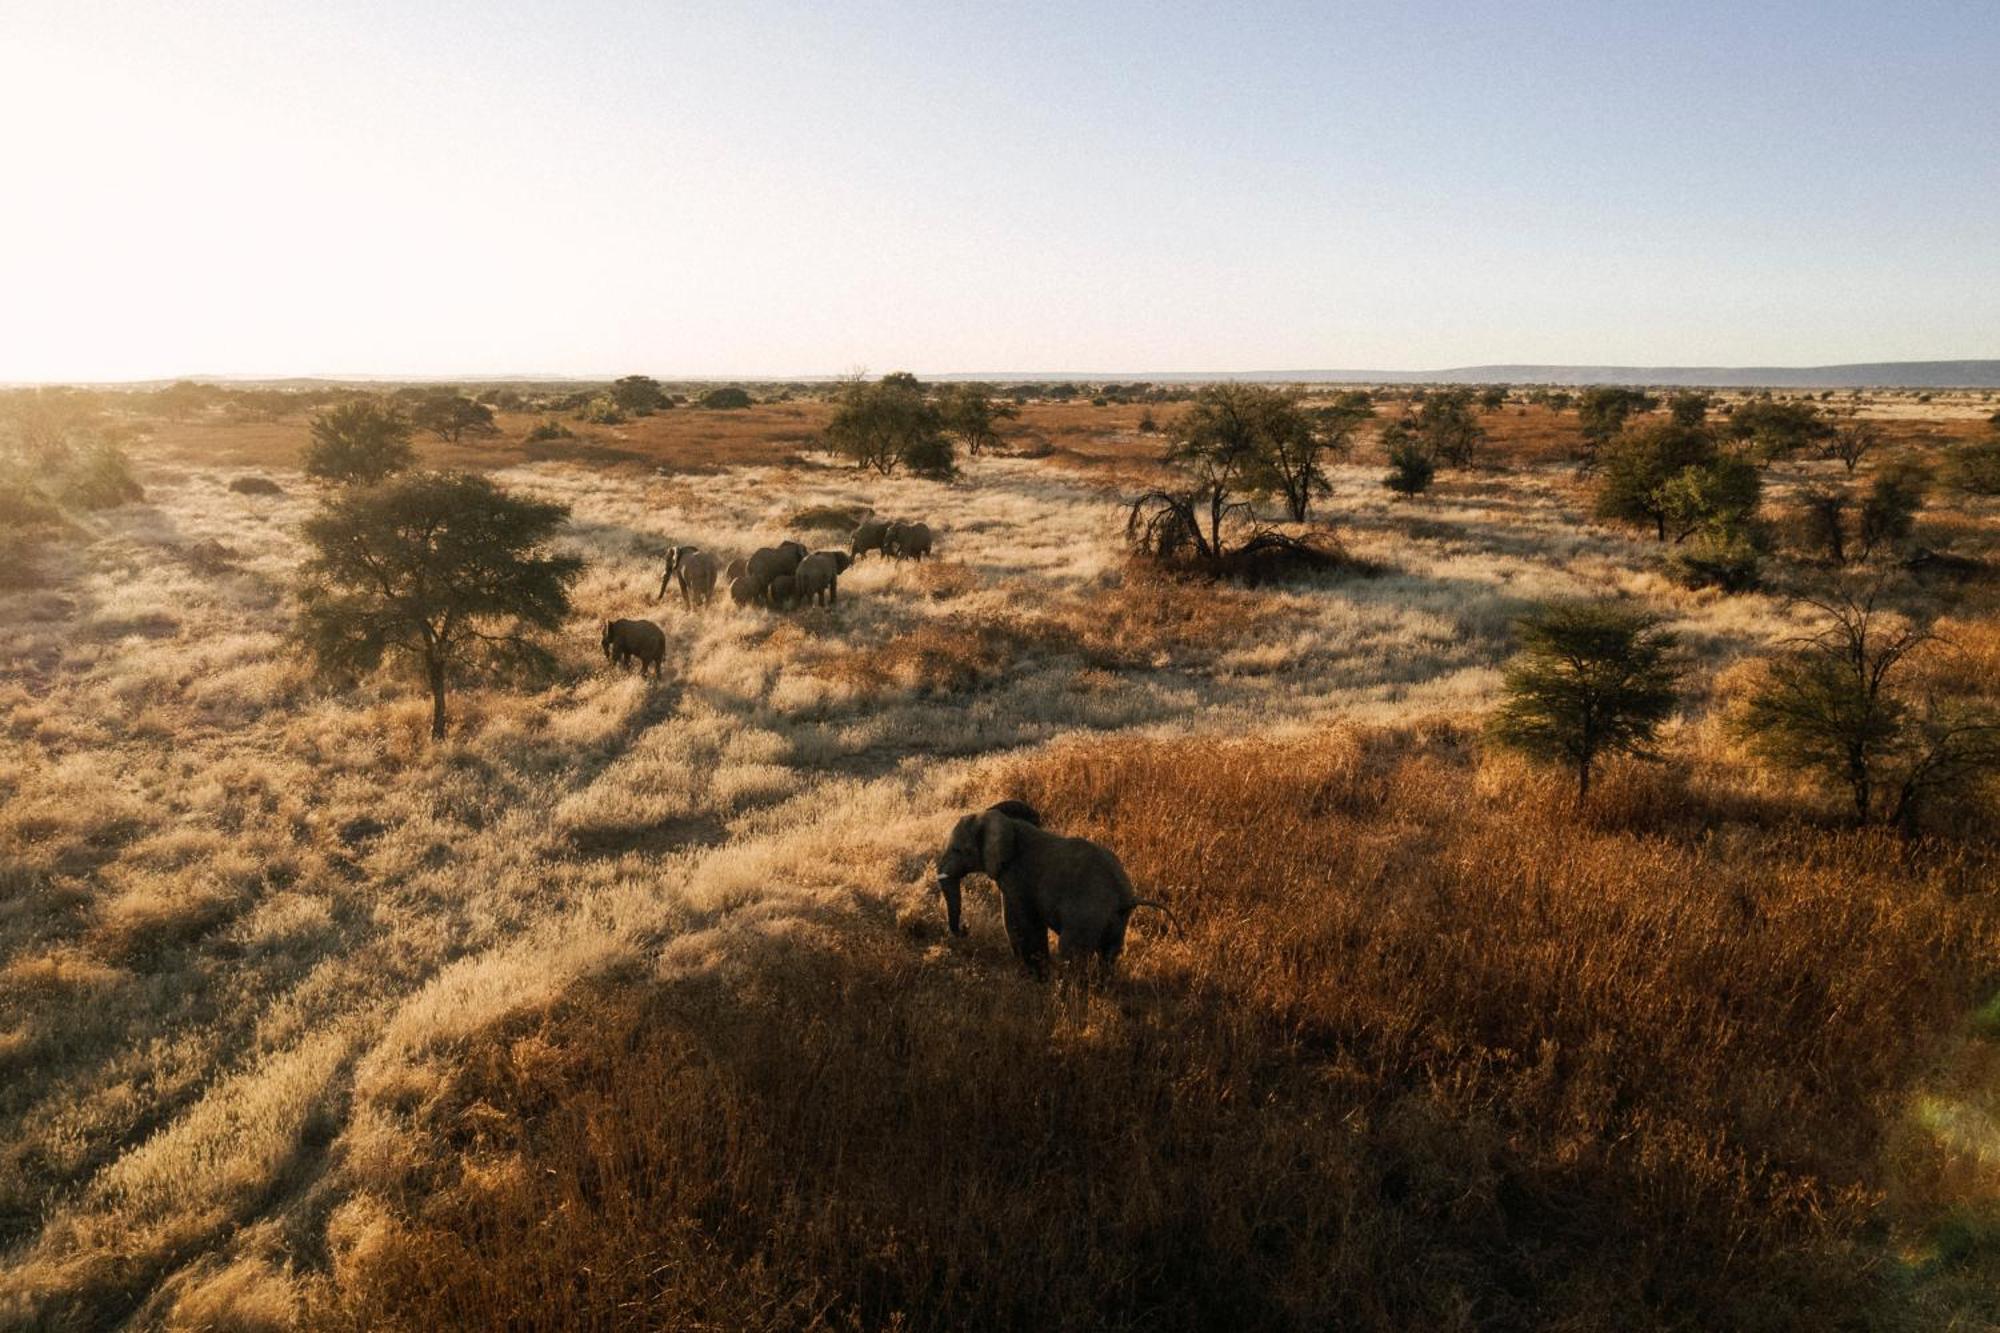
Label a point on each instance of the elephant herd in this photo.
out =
(781, 577)
(788, 575)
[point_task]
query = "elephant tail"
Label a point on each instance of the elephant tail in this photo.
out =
(1160, 907)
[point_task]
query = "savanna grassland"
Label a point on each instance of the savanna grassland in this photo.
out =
(629, 1004)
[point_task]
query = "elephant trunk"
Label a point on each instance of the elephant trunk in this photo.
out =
(948, 886)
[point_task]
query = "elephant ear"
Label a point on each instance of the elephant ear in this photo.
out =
(996, 842)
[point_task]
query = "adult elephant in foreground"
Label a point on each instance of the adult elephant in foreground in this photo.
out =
(1073, 886)
(626, 640)
(695, 570)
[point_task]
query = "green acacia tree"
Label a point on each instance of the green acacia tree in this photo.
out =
(357, 443)
(1840, 706)
(888, 424)
(1603, 410)
(430, 565)
(1592, 679)
(450, 416)
(972, 414)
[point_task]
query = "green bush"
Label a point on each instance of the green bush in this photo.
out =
(727, 398)
(1722, 557)
(550, 429)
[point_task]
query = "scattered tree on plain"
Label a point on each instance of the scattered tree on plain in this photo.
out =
(431, 565)
(1777, 429)
(1602, 411)
(450, 416)
(1689, 409)
(1838, 707)
(972, 414)
(1233, 440)
(640, 395)
(1444, 426)
(359, 442)
(1593, 679)
(1853, 441)
(888, 424)
(1642, 476)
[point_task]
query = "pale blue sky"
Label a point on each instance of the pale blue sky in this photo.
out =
(608, 186)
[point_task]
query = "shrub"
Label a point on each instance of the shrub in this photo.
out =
(1410, 468)
(1725, 557)
(728, 398)
(1592, 679)
(255, 485)
(601, 410)
(98, 476)
(549, 429)
(1889, 510)
(1974, 468)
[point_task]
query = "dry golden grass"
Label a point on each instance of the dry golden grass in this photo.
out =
(635, 992)
(1433, 1052)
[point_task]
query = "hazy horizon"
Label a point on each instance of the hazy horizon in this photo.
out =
(778, 191)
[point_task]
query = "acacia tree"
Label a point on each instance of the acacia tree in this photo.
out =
(1602, 411)
(1853, 441)
(357, 443)
(1837, 707)
(640, 395)
(970, 412)
(1778, 429)
(1640, 466)
(1444, 426)
(1296, 446)
(450, 415)
(431, 565)
(890, 424)
(1592, 679)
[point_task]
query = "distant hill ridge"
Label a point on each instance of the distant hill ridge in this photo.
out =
(1857, 375)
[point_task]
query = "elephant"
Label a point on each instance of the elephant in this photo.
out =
(907, 541)
(868, 537)
(783, 594)
(694, 569)
(637, 639)
(1072, 886)
(742, 591)
(768, 562)
(818, 576)
(735, 570)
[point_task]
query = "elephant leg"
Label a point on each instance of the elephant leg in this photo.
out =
(1029, 936)
(1081, 947)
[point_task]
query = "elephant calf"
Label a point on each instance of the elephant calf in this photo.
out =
(635, 639)
(1073, 886)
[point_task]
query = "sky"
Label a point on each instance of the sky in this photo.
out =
(601, 187)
